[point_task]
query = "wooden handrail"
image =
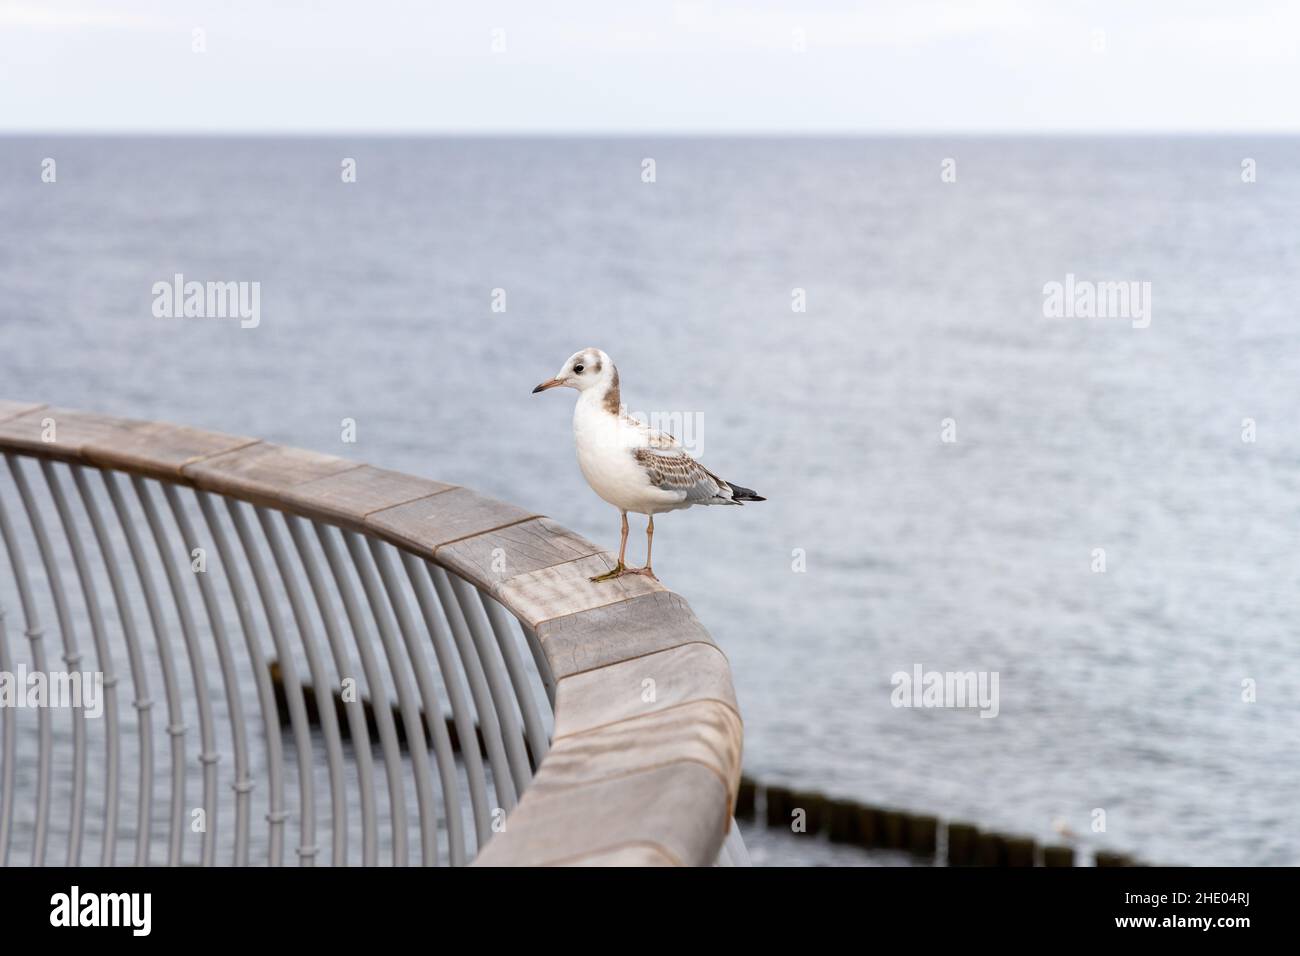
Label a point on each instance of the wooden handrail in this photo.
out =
(645, 760)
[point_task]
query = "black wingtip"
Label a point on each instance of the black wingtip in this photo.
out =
(745, 494)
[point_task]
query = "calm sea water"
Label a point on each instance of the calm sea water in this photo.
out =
(1119, 690)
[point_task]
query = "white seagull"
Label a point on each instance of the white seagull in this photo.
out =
(631, 465)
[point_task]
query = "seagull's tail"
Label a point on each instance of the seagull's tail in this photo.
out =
(739, 494)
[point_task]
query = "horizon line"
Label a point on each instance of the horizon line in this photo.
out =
(259, 133)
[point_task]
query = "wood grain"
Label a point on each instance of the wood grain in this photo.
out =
(425, 525)
(681, 810)
(621, 691)
(69, 429)
(10, 409)
(635, 854)
(615, 632)
(348, 497)
(262, 473)
(553, 592)
(706, 732)
(158, 450)
(152, 449)
(489, 560)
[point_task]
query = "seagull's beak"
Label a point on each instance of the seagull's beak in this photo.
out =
(549, 383)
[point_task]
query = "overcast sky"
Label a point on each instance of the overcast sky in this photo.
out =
(621, 66)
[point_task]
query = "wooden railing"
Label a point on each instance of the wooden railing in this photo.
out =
(639, 765)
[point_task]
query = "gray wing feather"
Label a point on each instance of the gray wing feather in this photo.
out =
(678, 471)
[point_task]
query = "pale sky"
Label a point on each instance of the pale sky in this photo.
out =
(613, 66)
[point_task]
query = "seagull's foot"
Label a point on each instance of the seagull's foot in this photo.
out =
(619, 570)
(646, 571)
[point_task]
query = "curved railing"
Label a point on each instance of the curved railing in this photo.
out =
(283, 604)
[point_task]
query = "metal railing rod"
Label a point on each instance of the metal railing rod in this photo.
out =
(275, 816)
(243, 784)
(406, 702)
(435, 722)
(139, 675)
(461, 712)
(488, 723)
(34, 633)
(208, 754)
(108, 685)
(538, 742)
(356, 715)
(324, 700)
(71, 657)
(294, 699)
(171, 682)
(498, 683)
(8, 742)
(539, 659)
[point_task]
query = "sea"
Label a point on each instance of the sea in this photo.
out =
(1022, 408)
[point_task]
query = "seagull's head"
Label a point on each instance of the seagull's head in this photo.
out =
(590, 368)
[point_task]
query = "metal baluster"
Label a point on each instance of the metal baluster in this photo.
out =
(462, 713)
(32, 629)
(355, 712)
(511, 731)
(324, 699)
(112, 757)
(139, 675)
(171, 682)
(292, 689)
(488, 724)
(539, 658)
(243, 784)
(500, 621)
(406, 703)
(9, 722)
(261, 678)
(433, 713)
(71, 657)
(208, 756)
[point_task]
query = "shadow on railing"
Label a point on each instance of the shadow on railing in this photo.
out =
(606, 725)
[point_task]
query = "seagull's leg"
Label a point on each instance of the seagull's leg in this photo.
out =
(619, 569)
(649, 542)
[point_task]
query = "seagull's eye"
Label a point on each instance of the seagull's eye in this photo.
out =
(578, 369)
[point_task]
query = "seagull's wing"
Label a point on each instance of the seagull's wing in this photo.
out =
(652, 437)
(671, 469)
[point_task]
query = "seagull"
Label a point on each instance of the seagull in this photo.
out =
(631, 465)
